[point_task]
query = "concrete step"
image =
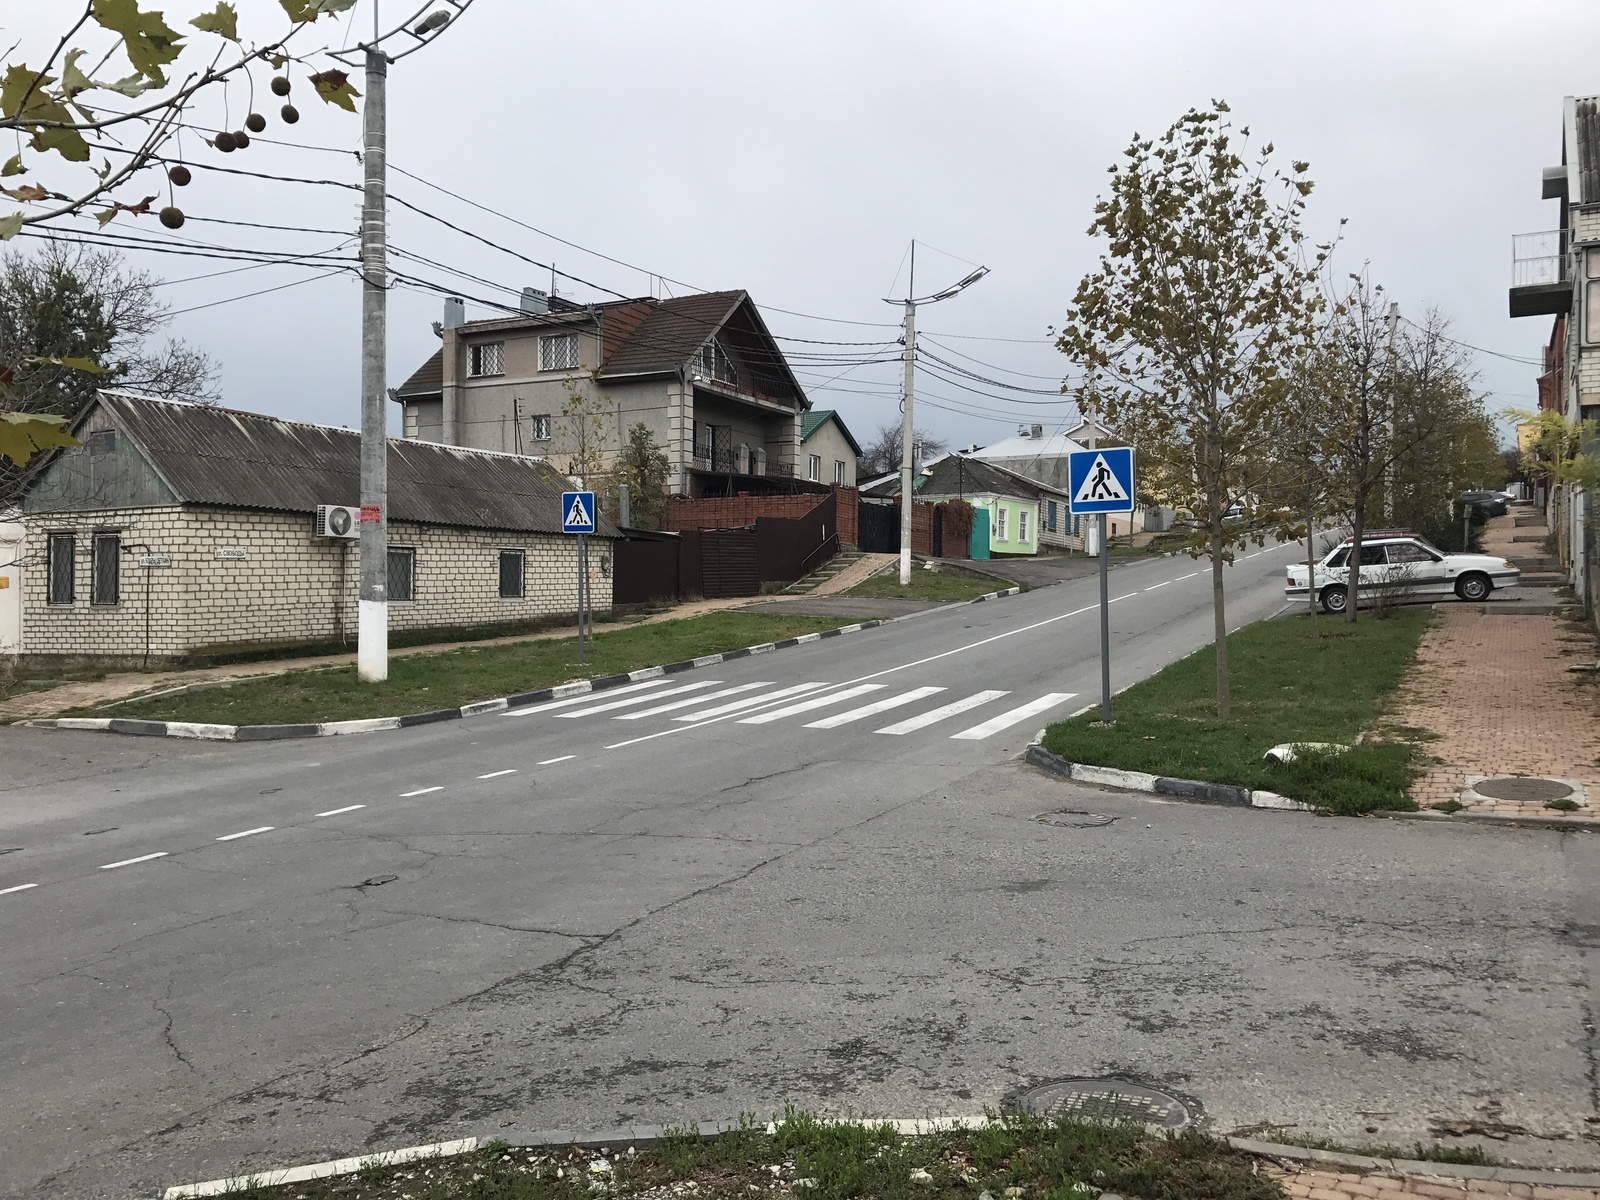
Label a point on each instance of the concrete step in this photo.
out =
(1522, 519)
(1529, 537)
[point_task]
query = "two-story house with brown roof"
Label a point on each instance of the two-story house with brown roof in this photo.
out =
(701, 372)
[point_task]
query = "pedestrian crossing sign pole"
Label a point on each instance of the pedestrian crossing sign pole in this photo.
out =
(577, 516)
(1100, 481)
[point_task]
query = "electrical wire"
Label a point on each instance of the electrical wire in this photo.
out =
(265, 291)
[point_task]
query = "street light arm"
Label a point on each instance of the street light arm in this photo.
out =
(952, 290)
(423, 31)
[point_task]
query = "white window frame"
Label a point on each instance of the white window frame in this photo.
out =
(61, 589)
(759, 467)
(1022, 525)
(105, 570)
(541, 427)
(558, 352)
(838, 471)
(411, 553)
(814, 468)
(999, 522)
(485, 359)
(409, 421)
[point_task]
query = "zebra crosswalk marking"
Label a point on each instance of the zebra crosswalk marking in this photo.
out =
(868, 710)
(644, 699)
(724, 709)
(677, 704)
(934, 715)
(790, 710)
(1012, 716)
(586, 698)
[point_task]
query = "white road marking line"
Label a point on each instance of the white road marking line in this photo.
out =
(677, 704)
(1190, 575)
(497, 774)
(548, 761)
(128, 862)
(421, 792)
(740, 705)
(632, 700)
(586, 698)
(235, 836)
(790, 710)
(1011, 717)
(934, 715)
(868, 710)
(1129, 596)
(1163, 584)
(21, 887)
(334, 812)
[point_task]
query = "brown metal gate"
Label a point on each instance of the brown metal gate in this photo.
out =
(729, 565)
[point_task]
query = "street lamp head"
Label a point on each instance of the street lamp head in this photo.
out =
(959, 286)
(431, 23)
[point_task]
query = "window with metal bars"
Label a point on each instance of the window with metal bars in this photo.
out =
(402, 574)
(511, 574)
(486, 358)
(62, 565)
(559, 352)
(107, 585)
(541, 427)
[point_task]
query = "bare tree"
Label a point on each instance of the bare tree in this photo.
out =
(882, 454)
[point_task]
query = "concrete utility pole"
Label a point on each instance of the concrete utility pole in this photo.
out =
(372, 622)
(372, 619)
(907, 424)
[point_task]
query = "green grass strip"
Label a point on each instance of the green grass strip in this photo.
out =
(1292, 682)
(422, 682)
(926, 585)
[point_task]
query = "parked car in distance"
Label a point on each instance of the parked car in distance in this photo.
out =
(1401, 564)
(1490, 504)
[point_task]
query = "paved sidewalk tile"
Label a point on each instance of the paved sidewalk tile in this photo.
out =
(1308, 1184)
(1497, 691)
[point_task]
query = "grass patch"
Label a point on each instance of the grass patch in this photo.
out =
(1291, 683)
(422, 682)
(926, 585)
(1563, 804)
(1447, 806)
(804, 1157)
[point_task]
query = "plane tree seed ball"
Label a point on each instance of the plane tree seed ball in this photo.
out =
(179, 175)
(255, 122)
(290, 114)
(224, 142)
(172, 217)
(280, 85)
(241, 139)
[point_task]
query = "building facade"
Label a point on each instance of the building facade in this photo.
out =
(828, 450)
(568, 382)
(178, 531)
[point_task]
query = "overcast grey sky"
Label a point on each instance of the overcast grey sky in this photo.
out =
(794, 149)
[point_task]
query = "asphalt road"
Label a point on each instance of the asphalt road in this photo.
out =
(238, 956)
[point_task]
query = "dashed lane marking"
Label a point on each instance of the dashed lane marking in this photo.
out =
(497, 774)
(233, 837)
(334, 812)
(128, 862)
(1159, 585)
(549, 761)
(421, 792)
(870, 710)
(21, 887)
(934, 715)
(1190, 575)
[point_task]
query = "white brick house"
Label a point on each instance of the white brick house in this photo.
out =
(176, 531)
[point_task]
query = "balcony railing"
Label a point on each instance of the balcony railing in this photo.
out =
(1539, 259)
(727, 462)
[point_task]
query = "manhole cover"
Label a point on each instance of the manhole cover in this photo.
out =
(1519, 788)
(1106, 1100)
(1072, 818)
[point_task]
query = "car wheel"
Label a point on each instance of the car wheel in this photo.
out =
(1474, 587)
(1334, 599)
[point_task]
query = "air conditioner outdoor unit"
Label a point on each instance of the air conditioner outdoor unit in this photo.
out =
(338, 521)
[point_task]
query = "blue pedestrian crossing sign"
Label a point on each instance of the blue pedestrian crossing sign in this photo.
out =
(1100, 481)
(577, 512)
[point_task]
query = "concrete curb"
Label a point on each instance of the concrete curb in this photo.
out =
(1194, 790)
(645, 1137)
(272, 733)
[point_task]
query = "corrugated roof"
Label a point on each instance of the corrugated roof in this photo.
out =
(228, 459)
(672, 333)
(958, 475)
(815, 419)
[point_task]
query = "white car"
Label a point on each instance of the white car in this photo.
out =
(1402, 564)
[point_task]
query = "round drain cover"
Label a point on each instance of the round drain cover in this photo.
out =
(1106, 1100)
(1522, 788)
(1073, 818)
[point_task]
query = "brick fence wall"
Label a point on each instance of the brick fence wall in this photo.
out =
(242, 578)
(733, 512)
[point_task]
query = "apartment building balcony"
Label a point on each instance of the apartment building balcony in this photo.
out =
(1541, 284)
